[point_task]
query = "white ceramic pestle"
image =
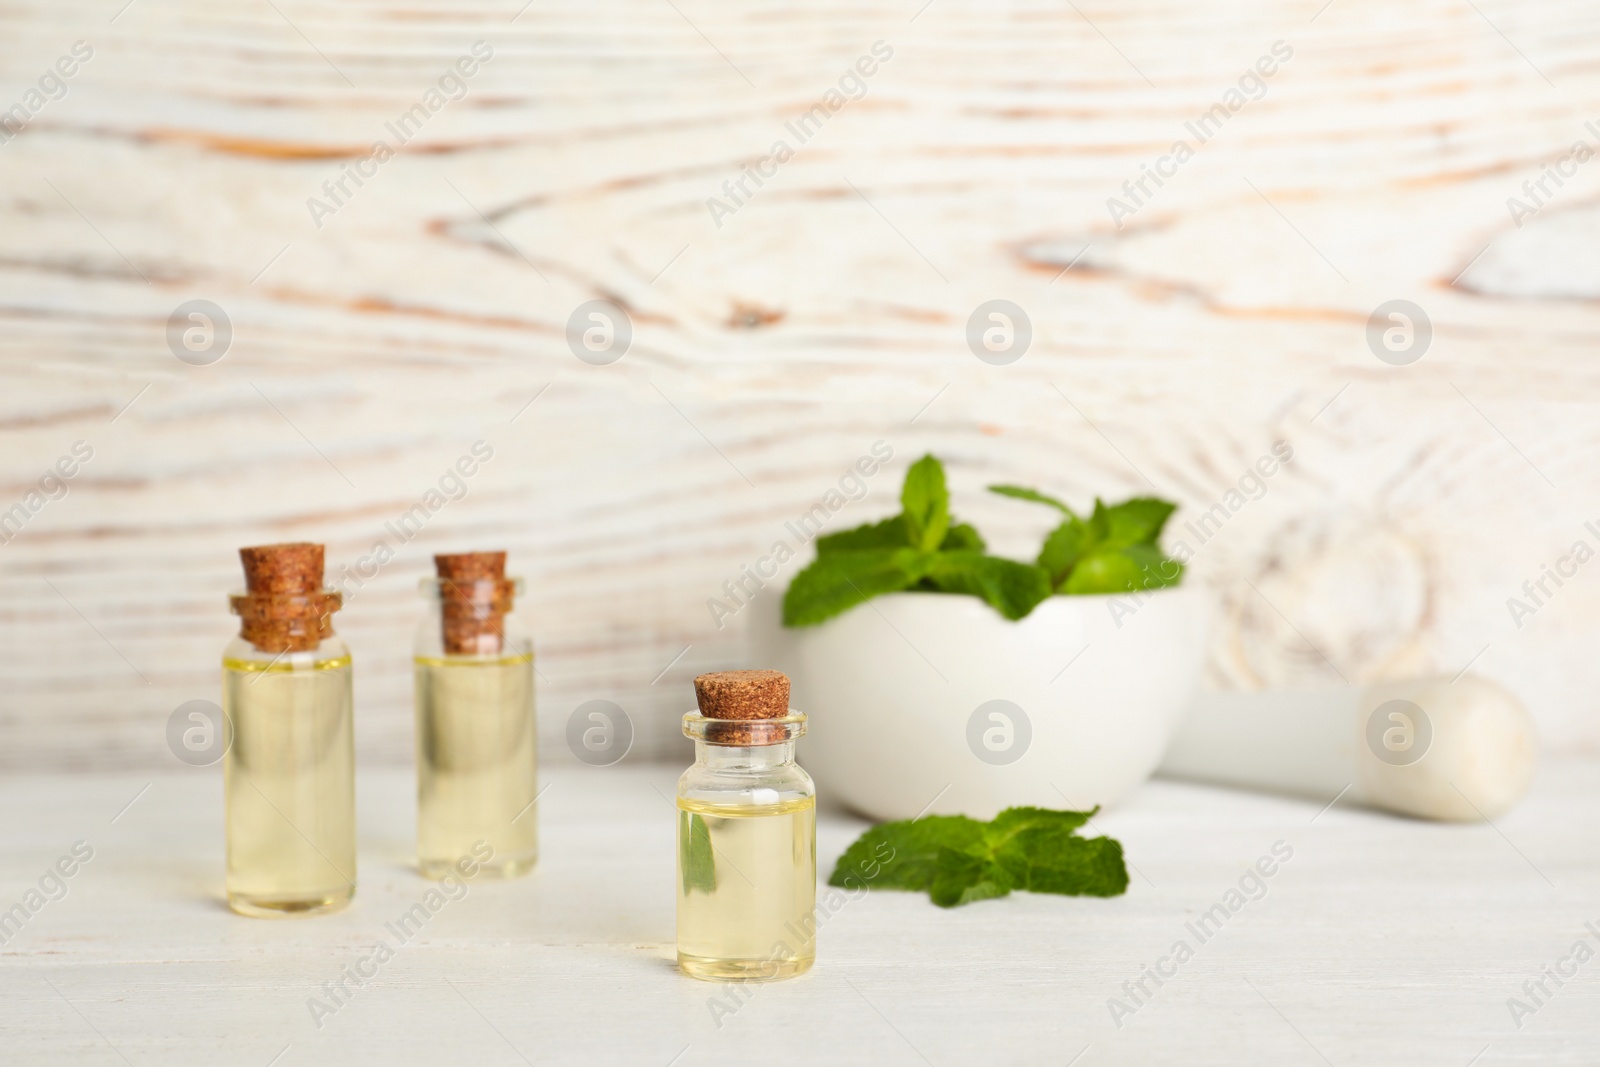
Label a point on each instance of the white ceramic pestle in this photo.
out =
(1426, 747)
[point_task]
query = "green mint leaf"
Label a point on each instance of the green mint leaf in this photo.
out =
(1122, 570)
(1137, 521)
(957, 860)
(890, 533)
(834, 583)
(961, 536)
(1011, 588)
(904, 855)
(1156, 568)
(1000, 830)
(1099, 524)
(926, 503)
(1022, 492)
(963, 878)
(1041, 852)
(1062, 548)
(1105, 570)
(1077, 867)
(695, 857)
(1116, 551)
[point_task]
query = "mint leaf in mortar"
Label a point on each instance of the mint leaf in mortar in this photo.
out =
(1135, 522)
(1062, 548)
(925, 503)
(1022, 492)
(1123, 570)
(890, 533)
(961, 536)
(958, 860)
(1116, 550)
(1011, 588)
(838, 581)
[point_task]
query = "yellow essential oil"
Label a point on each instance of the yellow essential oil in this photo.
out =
(289, 782)
(747, 834)
(477, 738)
(747, 889)
(289, 769)
(477, 763)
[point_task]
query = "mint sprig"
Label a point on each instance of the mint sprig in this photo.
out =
(1115, 550)
(924, 547)
(957, 860)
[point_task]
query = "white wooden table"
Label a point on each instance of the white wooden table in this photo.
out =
(1382, 941)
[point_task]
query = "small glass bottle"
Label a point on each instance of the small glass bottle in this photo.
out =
(477, 743)
(289, 773)
(747, 830)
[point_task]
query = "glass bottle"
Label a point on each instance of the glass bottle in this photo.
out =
(747, 857)
(289, 772)
(477, 742)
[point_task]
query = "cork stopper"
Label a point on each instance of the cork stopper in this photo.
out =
(736, 697)
(743, 694)
(284, 608)
(474, 597)
(295, 567)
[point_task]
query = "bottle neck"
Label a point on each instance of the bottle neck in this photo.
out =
(286, 622)
(743, 759)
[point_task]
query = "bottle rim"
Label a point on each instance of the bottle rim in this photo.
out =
(744, 733)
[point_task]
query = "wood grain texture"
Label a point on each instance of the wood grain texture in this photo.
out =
(771, 351)
(1378, 941)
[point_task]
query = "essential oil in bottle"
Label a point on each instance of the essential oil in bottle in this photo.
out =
(477, 745)
(289, 772)
(747, 821)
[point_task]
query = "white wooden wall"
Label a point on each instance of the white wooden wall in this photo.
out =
(770, 352)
